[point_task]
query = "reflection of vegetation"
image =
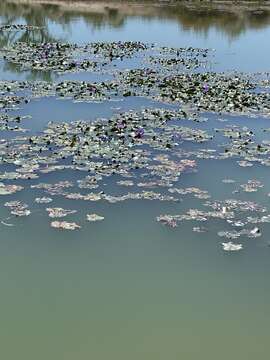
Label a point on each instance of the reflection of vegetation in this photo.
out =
(231, 21)
(14, 13)
(38, 14)
(31, 75)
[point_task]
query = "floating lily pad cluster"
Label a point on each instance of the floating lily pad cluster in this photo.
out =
(144, 153)
(65, 57)
(19, 27)
(228, 211)
(207, 91)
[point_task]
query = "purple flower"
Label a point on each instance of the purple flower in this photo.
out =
(120, 125)
(139, 133)
(92, 88)
(205, 88)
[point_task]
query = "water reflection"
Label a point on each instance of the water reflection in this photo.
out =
(231, 21)
(12, 13)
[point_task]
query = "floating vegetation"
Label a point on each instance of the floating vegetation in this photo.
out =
(43, 200)
(64, 57)
(94, 217)
(255, 232)
(200, 194)
(199, 229)
(83, 91)
(18, 27)
(228, 181)
(229, 246)
(252, 186)
(64, 225)
(235, 205)
(59, 212)
(167, 220)
(18, 208)
(54, 189)
(203, 91)
(180, 58)
(9, 189)
(21, 212)
(145, 154)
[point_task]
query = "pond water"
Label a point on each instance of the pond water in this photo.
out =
(130, 287)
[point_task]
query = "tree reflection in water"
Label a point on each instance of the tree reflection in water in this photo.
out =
(231, 20)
